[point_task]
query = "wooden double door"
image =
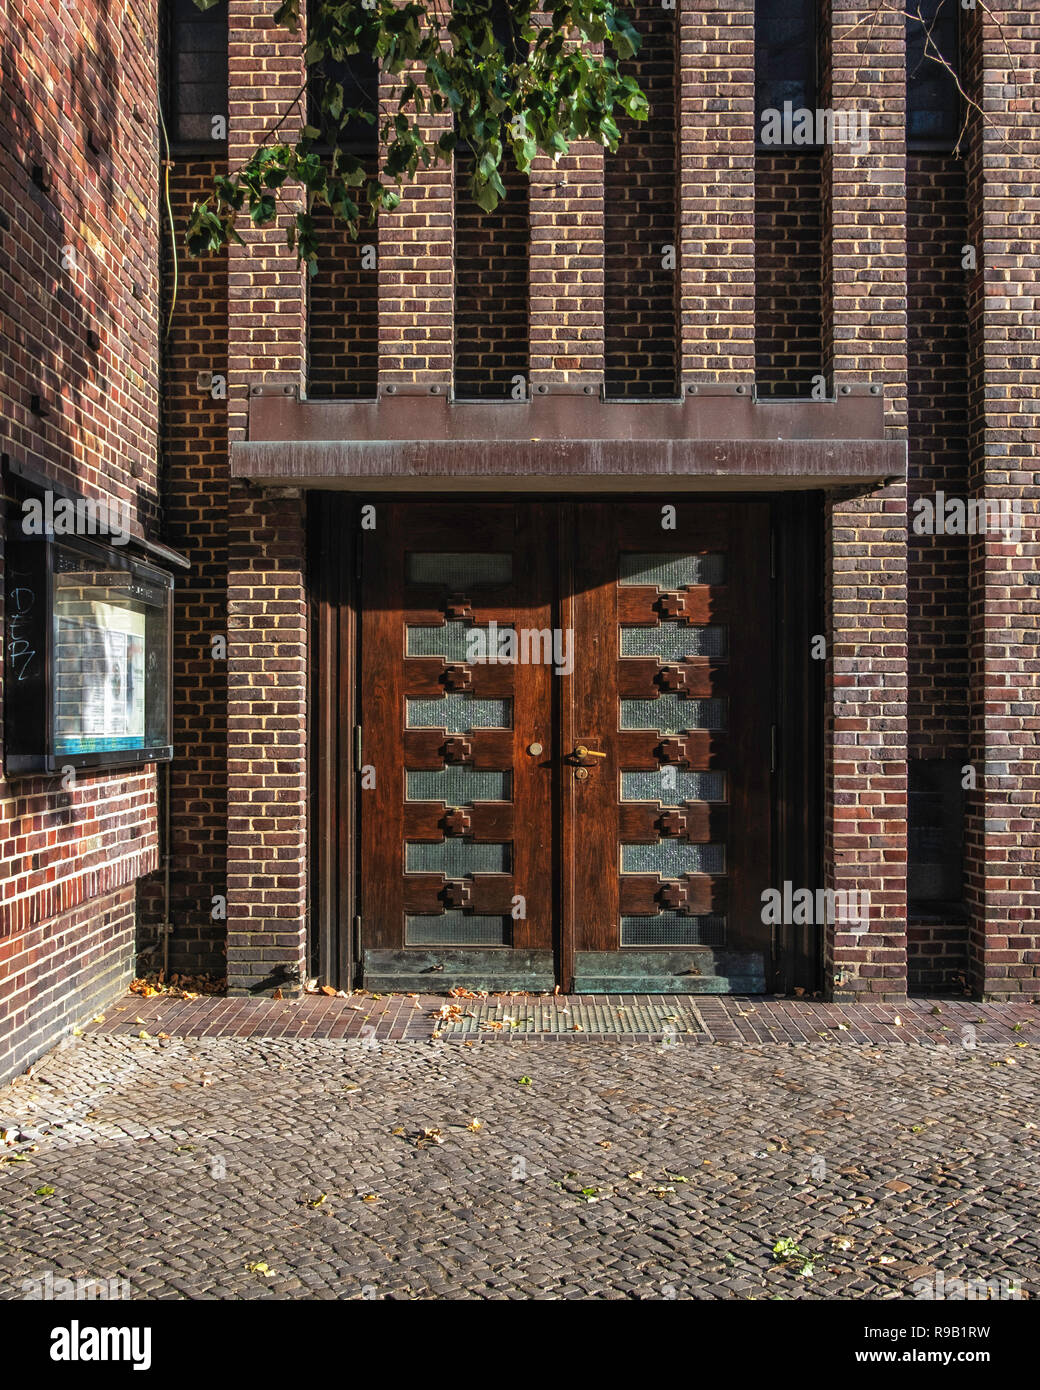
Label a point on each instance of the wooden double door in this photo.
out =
(566, 747)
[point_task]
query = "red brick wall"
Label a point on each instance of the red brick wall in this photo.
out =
(788, 272)
(865, 345)
(416, 284)
(266, 592)
(937, 398)
(1002, 53)
(78, 255)
(879, 265)
(639, 218)
(267, 740)
(567, 284)
(491, 286)
(267, 340)
(59, 973)
(937, 566)
(343, 314)
(717, 192)
(195, 486)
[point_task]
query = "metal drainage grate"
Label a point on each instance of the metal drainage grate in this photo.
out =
(601, 1015)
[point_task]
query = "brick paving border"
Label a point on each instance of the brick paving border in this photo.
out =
(714, 1019)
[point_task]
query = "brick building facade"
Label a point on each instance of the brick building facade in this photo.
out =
(811, 339)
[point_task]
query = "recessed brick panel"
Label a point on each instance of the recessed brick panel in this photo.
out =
(788, 272)
(639, 218)
(343, 313)
(492, 292)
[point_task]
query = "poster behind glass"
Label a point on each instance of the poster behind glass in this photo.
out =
(109, 659)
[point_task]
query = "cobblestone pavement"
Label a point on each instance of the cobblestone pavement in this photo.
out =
(290, 1167)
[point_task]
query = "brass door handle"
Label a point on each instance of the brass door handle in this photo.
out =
(582, 755)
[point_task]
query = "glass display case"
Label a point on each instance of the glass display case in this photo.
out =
(87, 637)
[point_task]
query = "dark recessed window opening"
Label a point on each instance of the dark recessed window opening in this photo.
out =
(356, 76)
(933, 104)
(786, 67)
(935, 831)
(197, 73)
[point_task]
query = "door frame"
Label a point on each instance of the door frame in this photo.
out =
(334, 700)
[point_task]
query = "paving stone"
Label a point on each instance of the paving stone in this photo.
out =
(880, 1160)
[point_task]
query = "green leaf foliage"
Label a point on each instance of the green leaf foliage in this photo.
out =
(512, 88)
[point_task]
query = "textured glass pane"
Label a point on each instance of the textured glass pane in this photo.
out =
(673, 641)
(671, 571)
(450, 641)
(673, 929)
(458, 713)
(454, 928)
(455, 858)
(457, 571)
(458, 784)
(671, 858)
(672, 786)
(672, 714)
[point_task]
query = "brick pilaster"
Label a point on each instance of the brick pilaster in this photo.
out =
(267, 739)
(1002, 840)
(865, 193)
(566, 277)
(717, 192)
(566, 268)
(416, 268)
(267, 291)
(865, 342)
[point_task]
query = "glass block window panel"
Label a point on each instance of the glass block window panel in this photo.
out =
(458, 784)
(454, 928)
(672, 786)
(449, 570)
(455, 858)
(673, 929)
(671, 714)
(458, 713)
(450, 641)
(673, 858)
(672, 641)
(671, 571)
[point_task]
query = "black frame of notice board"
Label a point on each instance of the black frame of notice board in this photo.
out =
(29, 686)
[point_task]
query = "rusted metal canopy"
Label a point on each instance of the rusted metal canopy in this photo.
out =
(718, 437)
